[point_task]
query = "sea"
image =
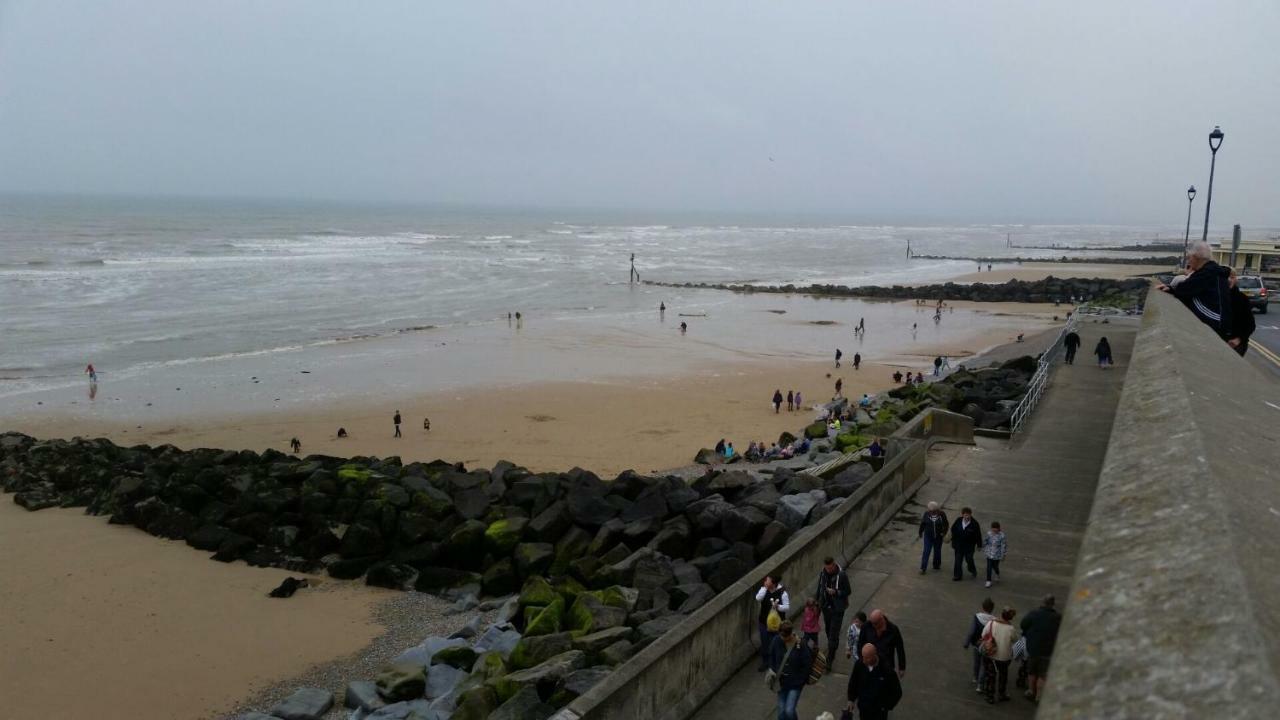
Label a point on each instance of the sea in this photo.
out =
(135, 284)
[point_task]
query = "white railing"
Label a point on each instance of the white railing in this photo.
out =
(1040, 380)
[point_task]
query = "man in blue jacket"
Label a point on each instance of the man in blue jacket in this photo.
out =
(933, 529)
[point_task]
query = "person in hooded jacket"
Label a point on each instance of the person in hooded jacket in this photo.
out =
(933, 528)
(973, 640)
(833, 599)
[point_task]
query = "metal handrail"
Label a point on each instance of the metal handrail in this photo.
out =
(1040, 380)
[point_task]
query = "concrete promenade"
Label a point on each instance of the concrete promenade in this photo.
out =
(1040, 488)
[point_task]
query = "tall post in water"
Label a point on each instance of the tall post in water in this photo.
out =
(1215, 142)
(1235, 244)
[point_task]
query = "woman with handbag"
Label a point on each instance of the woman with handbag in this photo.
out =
(790, 660)
(997, 651)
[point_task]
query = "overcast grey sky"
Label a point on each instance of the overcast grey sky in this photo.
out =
(1020, 110)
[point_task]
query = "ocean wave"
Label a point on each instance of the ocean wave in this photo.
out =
(497, 237)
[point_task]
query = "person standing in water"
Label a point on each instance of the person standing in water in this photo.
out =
(396, 420)
(683, 327)
(662, 310)
(93, 374)
(857, 360)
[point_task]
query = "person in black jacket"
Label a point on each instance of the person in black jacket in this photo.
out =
(887, 639)
(1242, 323)
(791, 658)
(933, 529)
(1206, 290)
(1071, 342)
(966, 537)
(833, 599)
(874, 689)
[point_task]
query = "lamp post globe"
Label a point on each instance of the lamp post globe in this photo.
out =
(1215, 142)
(1186, 239)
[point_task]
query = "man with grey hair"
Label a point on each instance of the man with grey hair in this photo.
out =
(1204, 290)
(933, 529)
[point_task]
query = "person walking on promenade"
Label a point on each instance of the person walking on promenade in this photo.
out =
(995, 546)
(1242, 322)
(791, 401)
(811, 622)
(966, 536)
(937, 366)
(777, 401)
(1103, 351)
(833, 598)
(838, 356)
(874, 690)
(973, 640)
(1040, 627)
(857, 360)
(933, 529)
(772, 596)
(1071, 342)
(396, 420)
(887, 639)
(997, 650)
(790, 660)
(855, 630)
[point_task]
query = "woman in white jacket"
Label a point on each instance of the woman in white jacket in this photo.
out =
(997, 645)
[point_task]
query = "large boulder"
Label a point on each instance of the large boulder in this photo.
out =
(762, 496)
(545, 621)
(526, 704)
(391, 575)
(500, 639)
(800, 483)
(551, 523)
(304, 704)
(500, 578)
(594, 643)
(442, 679)
(652, 571)
(816, 430)
(773, 538)
(362, 541)
(656, 628)
(363, 695)
(617, 653)
(707, 513)
(673, 539)
(578, 683)
(537, 591)
(501, 537)
(476, 704)
(590, 614)
(545, 676)
(401, 681)
(460, 657)
(650, 503)
(531, 651)
(793, 510)
(534, 558)
(471, 503)
(727, 483)
(588, 505)
(687, 598)
(743, 523)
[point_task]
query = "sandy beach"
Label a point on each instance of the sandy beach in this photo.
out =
(104, 621)
(1000, 273)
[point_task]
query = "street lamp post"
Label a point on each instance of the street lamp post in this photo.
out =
(1186, 239)
(1215, 142)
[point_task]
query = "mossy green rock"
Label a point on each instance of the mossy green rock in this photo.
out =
(851, 441)
(546, 621)
(537, 591)
(816, 431)
(551, 671)
(402, 681)
(615, 596)
(533, 558)
(476, 704)
(501, 537)
(460, 657)
(569, 588)
(531, 651)
(590, 614)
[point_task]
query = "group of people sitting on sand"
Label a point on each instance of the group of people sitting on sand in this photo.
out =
(757, 451)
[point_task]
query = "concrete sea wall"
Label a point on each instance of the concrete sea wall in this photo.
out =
(1175, 607)
(670, 678)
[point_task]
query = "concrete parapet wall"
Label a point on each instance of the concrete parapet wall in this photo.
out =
(672, 677)
(1175, 607)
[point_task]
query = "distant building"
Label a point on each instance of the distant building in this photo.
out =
(1255, 257)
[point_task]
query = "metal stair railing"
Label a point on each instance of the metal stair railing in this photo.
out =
(1040, 380)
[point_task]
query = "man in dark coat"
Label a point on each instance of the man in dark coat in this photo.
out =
(1040, 628)
(887, 639)
(1072, 343)
(874, 689)
(1206, 291)
(966, 537)
(833, 599)
(1242, 323)
(933, 529)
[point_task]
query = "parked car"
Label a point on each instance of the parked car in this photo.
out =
(1253, 288)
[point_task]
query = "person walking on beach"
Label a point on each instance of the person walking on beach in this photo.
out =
(839, 384)
(995, 546)
(295, 445)
(93, 374)
(973, 640)
(1071, 342)
(790, 660)
(946, 363)
(1103, 351)
(777, 401)
(1040, 627)
(997, 651)
(833, 598)
(937, 366)
(426, 424)
(799, 402)
(966, 536)
(857, 360)
(774, 600)
(683, 327)
(791, 401)
(933, 529)
(988, 268)
(873, 688)
(396, 420)
(838, 356)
